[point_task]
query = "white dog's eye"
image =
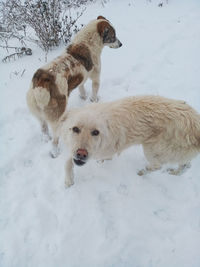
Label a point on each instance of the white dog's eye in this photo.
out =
(95, 132)
(76, 129)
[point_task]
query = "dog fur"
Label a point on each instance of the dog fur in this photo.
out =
(169, 131)
(52, 84)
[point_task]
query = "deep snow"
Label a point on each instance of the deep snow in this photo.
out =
(111, 216)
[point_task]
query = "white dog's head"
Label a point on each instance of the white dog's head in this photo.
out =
(85, 135)
(107, 32)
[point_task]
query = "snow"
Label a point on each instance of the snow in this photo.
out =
(110, 216)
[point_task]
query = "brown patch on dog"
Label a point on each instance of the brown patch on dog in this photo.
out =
(42, 78)
(106, 31)
(57, 103)
(74, 81)
(72, 64)
(82, 53)
(101, 17)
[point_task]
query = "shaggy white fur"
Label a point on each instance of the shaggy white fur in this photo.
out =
(169, 131)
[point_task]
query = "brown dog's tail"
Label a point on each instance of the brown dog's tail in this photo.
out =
(43, 84)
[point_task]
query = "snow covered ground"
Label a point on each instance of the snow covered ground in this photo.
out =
(111, 216)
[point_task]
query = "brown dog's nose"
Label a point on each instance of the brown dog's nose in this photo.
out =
(82, 154)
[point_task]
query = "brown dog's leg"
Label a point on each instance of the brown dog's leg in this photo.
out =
(55, 144)
(82, 92)
(95, 85)
(45, 131)
(55, 148)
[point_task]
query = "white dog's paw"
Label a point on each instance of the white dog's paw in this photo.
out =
(173, 171)
(180, 170)
(68, 183)
(148, 169)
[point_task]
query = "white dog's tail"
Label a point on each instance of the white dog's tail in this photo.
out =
(42, 96)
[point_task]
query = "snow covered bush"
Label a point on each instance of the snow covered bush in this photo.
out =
(11, 24)
(51, 20)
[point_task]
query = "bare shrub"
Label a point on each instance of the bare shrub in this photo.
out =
(51, 20)
(19, 52)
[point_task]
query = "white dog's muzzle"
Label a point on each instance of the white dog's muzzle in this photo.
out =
(80, 157)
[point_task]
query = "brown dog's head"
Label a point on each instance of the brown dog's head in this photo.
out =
(107, 32)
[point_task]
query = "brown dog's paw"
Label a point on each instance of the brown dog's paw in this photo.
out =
(55, 152)
(46, 138)
(94, 99)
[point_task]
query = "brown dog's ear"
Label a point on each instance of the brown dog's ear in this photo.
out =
(106, 31)
(101, 17)
(103, 28)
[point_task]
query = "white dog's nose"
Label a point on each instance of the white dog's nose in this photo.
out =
(81, 154)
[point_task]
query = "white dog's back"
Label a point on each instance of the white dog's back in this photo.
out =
(169, 130)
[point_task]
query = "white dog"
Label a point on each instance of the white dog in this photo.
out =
(168, 130)
(52, 84)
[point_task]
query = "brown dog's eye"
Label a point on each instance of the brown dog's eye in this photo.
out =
(76, 129)
(95, 132)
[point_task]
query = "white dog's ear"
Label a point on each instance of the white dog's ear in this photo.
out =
(108, 124)
(107, 129)
(116, 138)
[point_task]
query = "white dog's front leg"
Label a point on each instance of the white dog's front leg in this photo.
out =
(69, 173)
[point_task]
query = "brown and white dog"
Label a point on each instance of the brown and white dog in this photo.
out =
(169, 131)
(52, 84)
